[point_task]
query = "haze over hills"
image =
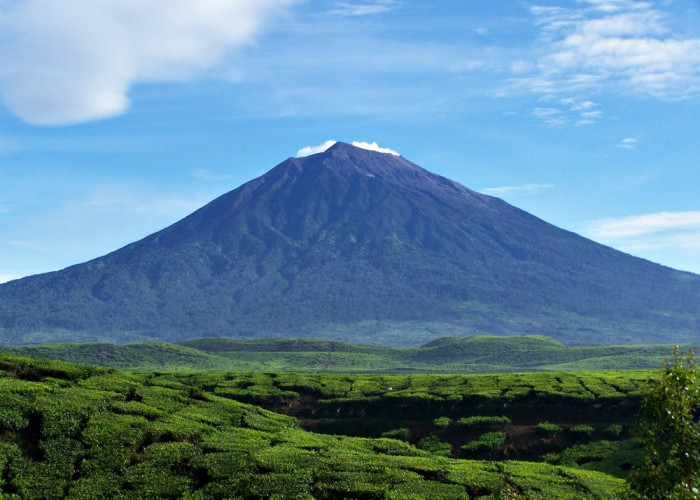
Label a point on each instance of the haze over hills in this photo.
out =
(362, 246)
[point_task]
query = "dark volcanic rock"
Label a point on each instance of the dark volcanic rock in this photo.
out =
(361, 246)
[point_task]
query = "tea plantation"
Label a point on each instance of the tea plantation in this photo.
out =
(74, 431)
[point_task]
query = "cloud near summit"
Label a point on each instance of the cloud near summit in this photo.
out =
(75, 60)
(371, 146)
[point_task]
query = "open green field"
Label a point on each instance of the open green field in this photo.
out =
(474, 354)
(75, 431)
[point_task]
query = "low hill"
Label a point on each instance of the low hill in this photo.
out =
(475, 354)
(358, 246)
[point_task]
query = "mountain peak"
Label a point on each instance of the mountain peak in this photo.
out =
(358, 245)
(341, 146)
(331, 146)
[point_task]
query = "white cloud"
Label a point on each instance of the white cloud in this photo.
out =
(565, 110)
(75, 60)
(23, 244)
(669, 237)
(645, 224)
(363, 9)
(207, 175)
(622, 44)
(127, 201)
(312, 150)
(466, 66)
(526, 189)
(552, 116)
(628, 143)
(374, 147)
(7, 145)
(521, 66)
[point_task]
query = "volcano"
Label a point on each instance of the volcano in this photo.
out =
(361, 246)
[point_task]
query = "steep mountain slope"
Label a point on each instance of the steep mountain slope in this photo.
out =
(362, 246)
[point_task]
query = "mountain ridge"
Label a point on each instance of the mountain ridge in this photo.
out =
(350, 244)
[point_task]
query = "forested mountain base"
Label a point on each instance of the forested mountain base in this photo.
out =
(82, 432)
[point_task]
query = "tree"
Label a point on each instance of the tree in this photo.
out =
(669, 428)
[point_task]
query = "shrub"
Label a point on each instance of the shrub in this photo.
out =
(613, 431)
(548, 429)
(442, 422)
(480, 422)
(669, 427)
(401, 434)
(488, 441)
(582, 430)
(433, 444)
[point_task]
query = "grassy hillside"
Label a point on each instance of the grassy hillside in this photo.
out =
(475, 354)
(71, 431)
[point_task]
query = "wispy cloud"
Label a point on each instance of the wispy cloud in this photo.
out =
(524, 189)
(645, 224)
(7, 144)
(568, 110)
(312, 150)
(627, 143)
(553, 116)
(671, 237)
(123, 200)
(206, 175)
(622, 44)
(364, 8)
(75, 60)
(29, 245)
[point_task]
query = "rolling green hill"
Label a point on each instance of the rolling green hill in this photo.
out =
(475, 354)
(81, 432)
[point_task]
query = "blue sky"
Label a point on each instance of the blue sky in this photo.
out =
(121, 117)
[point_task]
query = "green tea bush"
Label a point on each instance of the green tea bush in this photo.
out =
(612, 457)
(403, 434)
(613, 431)
(395, 447)
(442, 422)
(152, 436)
(480, 421)
(13, 411)
(581, 430)
(433, 444)
(148, 480)
(99, 484)
(281, 485)
(548, 429)
(486, 442)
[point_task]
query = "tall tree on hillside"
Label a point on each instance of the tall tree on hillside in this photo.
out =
(669, 427)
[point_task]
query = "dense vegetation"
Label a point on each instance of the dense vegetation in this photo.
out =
(669, 427)
(357, 246)
(475, 354)
(76, 431)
